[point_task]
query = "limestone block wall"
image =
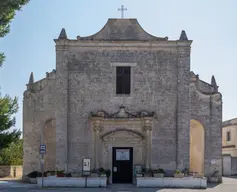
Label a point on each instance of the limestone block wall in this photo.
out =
(207, 109)
(232, 129)
(38, 107)
(154, 88)
(49, 139)
(229, 147)
(11, 171)
(183, 107)
(61, 110)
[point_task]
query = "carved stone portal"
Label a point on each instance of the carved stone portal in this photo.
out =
(118, 129)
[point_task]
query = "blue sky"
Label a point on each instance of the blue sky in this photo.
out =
(29, 47)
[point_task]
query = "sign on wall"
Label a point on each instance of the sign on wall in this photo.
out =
(42, 149)
(137, 169)
(122, 154)
(86, 165)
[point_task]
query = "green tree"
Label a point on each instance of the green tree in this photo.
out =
(8, 10)
(13, 154)
(8, 107)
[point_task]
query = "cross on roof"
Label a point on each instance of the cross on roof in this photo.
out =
(122, 9)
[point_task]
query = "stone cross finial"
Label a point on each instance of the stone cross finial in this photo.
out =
(122, 9)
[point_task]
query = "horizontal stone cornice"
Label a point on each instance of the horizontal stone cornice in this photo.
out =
(127, 44)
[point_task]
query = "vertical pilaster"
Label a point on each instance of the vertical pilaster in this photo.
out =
(148, 129)
(61, 105)
(97, 129)
(183, 105)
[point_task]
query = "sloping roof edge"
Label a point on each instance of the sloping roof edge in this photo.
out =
(122, 29)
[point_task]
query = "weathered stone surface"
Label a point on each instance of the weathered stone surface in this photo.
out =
(207, 109)
(10, 171)
(122, 29)
(84, 82)
(229, 146)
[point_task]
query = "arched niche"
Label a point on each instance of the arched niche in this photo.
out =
(121, 131)
(197, 146)
(122, 138)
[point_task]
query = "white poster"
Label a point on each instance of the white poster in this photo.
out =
(122, 154)
(86, 165)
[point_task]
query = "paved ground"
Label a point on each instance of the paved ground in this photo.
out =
(228, 185)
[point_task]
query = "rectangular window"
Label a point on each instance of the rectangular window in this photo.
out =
(228, 138)
(123, 80)
(122, 155)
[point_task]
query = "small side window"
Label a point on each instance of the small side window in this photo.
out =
(228, 136)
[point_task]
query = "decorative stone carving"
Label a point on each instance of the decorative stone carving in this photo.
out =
(217, 98)
(100, 114)
(29, 94)
(97, 128)
(123, 114)
(147, 128)
(97, 125)
(147, 124)
(106, 146)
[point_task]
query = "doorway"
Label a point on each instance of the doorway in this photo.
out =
(122, 166)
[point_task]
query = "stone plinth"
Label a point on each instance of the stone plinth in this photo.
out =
(10, 171)
(73, 182)
(171, 182)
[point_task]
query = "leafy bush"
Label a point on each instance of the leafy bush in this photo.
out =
(177, 172)
(158, 171)
(186, 171)
(103, 171)
(13, 154)
(161, 171)
(60, 171)
(108, 173)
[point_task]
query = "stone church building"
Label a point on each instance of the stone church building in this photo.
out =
(123, 97)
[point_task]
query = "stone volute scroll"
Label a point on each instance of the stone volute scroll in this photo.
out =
(122, 114)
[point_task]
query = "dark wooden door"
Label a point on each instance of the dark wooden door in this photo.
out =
(122, 170)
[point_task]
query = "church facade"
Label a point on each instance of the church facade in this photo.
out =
(123, 97)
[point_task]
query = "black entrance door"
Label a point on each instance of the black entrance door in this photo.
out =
(122, 171)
